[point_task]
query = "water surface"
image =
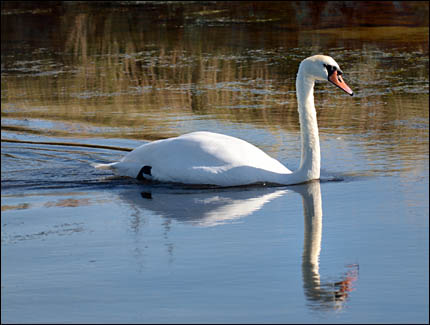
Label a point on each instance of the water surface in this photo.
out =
(81, 245)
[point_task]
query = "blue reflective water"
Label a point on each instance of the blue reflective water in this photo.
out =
(83, 246)
(80, 245)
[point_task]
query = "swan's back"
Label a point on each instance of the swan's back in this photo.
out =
(215, 158)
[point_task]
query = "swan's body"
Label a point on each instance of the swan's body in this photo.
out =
(217, 159)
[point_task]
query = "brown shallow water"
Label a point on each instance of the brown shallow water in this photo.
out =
(79, 245)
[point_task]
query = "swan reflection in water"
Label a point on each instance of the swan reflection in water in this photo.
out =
(212, 207)
(320, 294)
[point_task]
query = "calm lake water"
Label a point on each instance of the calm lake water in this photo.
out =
(80, 245)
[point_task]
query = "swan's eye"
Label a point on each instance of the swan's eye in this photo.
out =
(330, 69)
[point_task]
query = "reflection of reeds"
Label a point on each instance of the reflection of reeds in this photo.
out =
(117, 71)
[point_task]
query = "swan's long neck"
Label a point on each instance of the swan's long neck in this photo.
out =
(310, 159)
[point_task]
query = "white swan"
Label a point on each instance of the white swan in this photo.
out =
(217, 159)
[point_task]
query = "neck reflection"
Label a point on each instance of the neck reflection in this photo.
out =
(319, 293)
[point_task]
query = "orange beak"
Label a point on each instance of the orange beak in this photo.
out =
(337, 80)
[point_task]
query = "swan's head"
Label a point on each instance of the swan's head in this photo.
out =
(323, 67)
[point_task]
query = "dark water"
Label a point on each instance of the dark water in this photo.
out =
(80, 245)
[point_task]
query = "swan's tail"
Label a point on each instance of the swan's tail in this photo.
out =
(110, 166)
(120, 168)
